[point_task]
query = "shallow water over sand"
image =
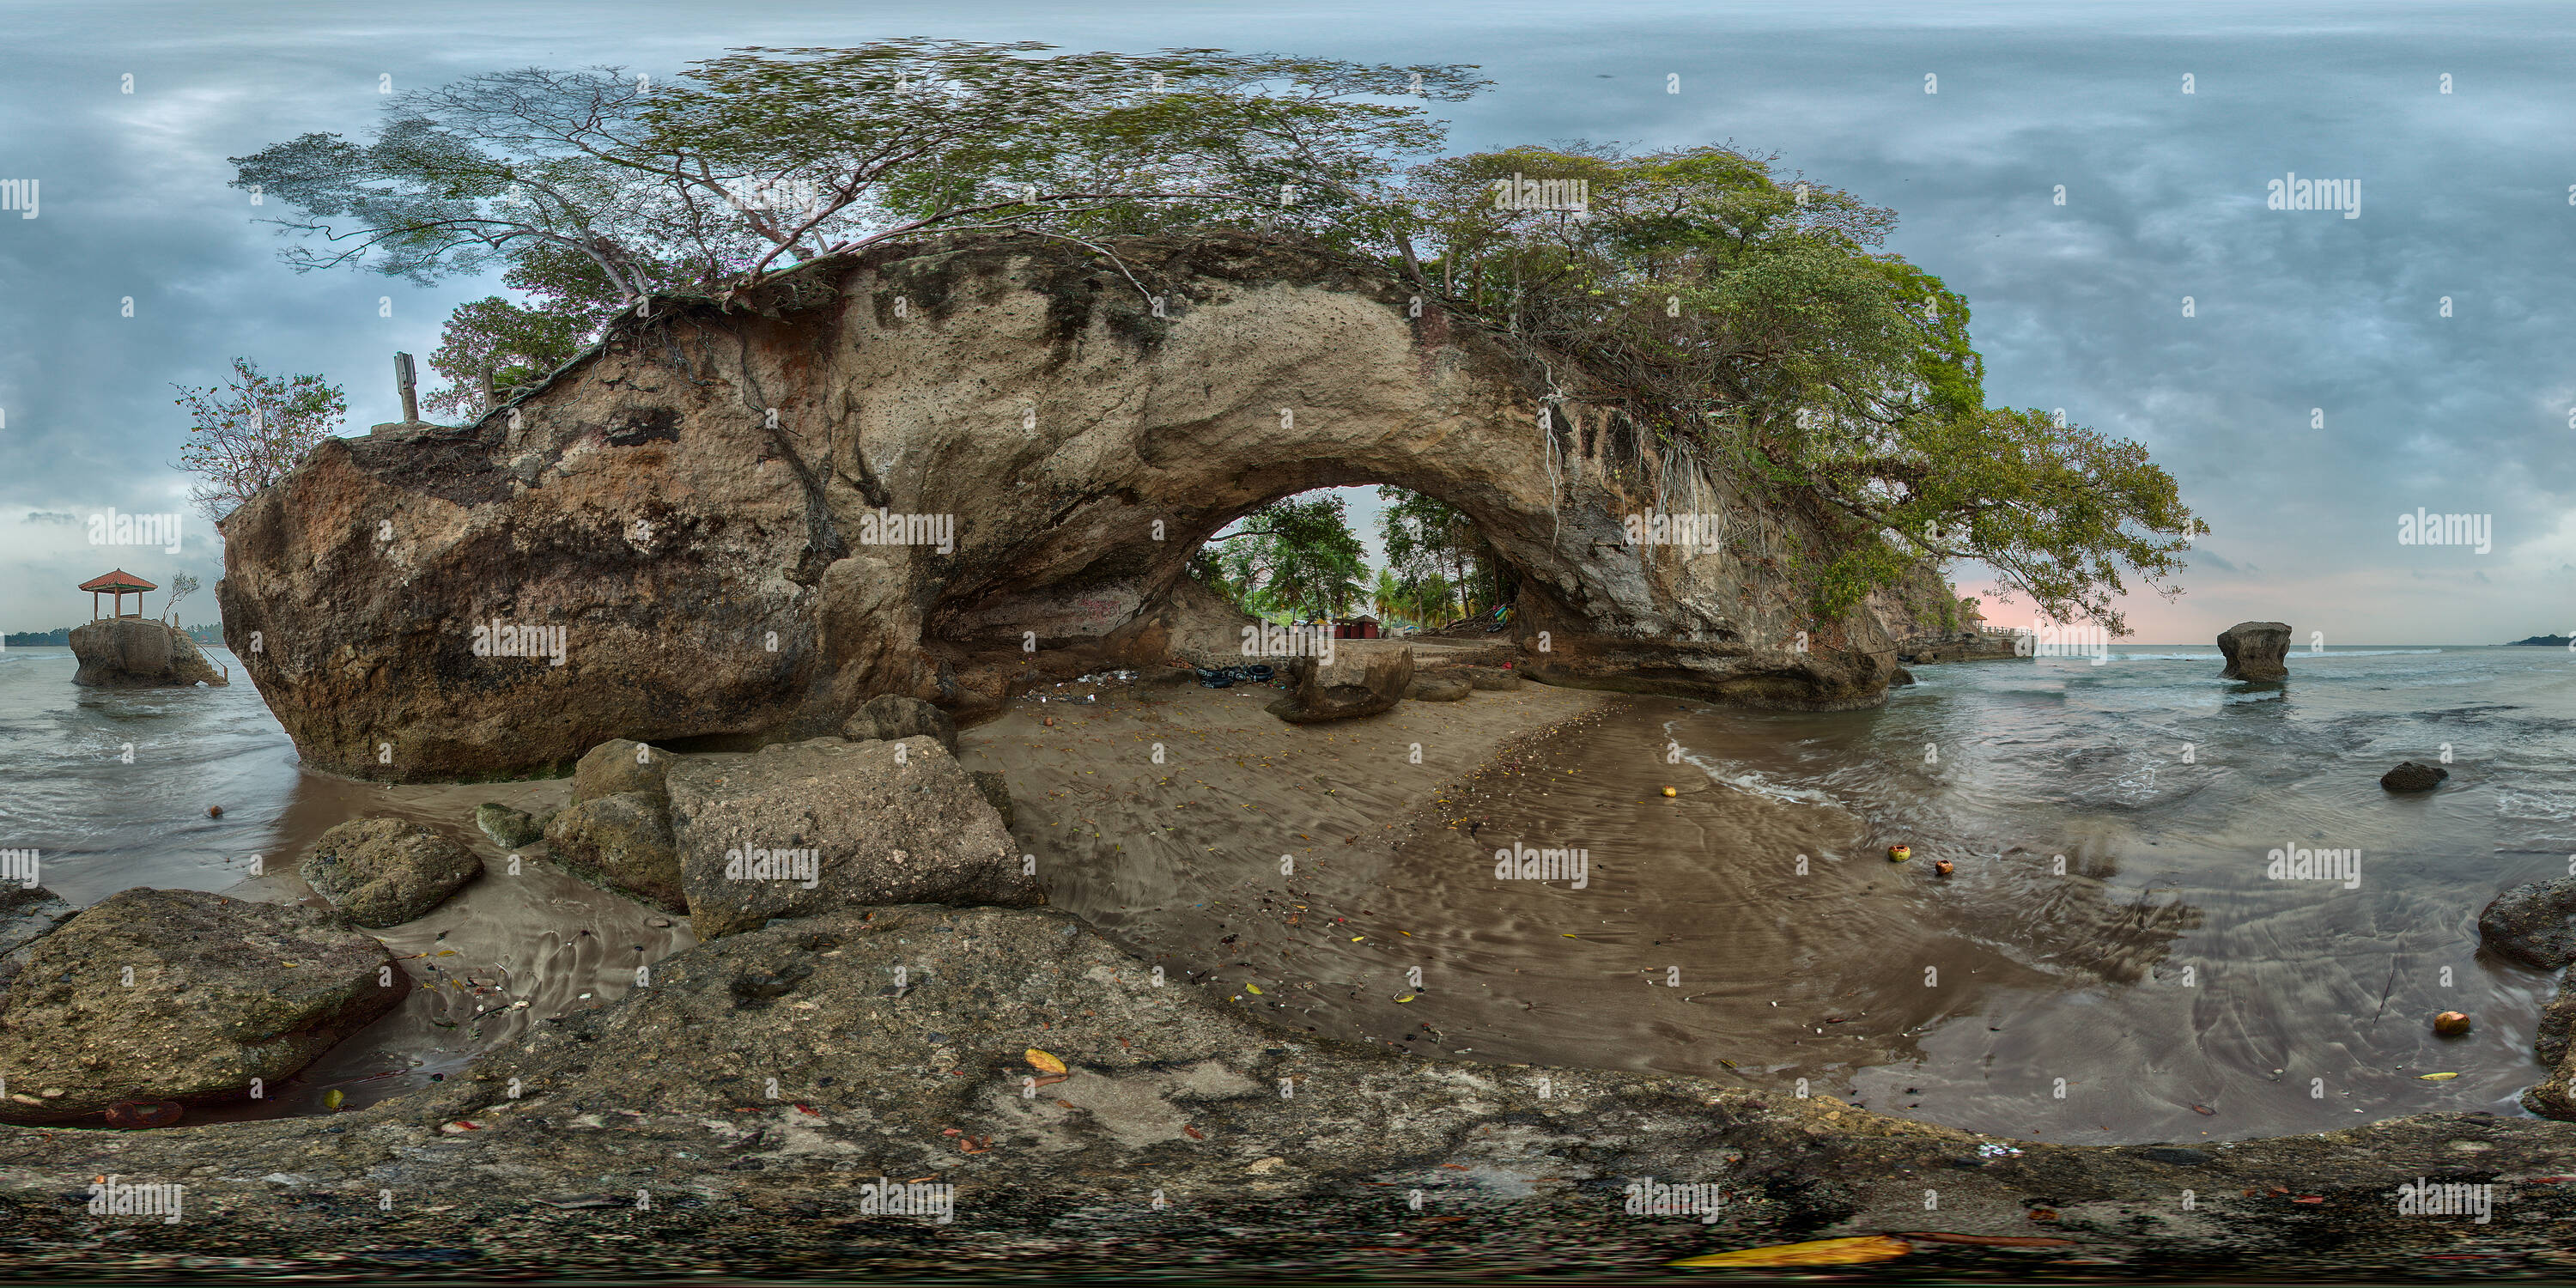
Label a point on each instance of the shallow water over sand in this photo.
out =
(2179, 991)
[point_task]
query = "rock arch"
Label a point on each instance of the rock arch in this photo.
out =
(700, 503)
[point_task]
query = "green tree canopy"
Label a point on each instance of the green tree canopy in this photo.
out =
(1754, 323)
(1295, 555)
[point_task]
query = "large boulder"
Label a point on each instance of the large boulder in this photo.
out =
(139, 653)
(2533, 924)
(1361, 678)
(798, 828)
(620, 765)
(183, 995)
(386, 871)
(2255, 651)
(890, 717)
(989, 467)
(623, 843)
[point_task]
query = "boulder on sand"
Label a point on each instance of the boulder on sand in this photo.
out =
(2533, 924)
(222, 992)
(386, 871)
(891, 717)
(2254, 651)
(509, 828)
(621, 842)
(1437, 688)
(1501, 678)
(2411, 776)
(1362, 678)
(139, 653)
(620, 765)
(796, 829)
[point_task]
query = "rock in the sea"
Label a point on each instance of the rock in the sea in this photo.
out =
(2255, 651)
(1490, 677)
(798, 828)
(1362, 678)
(2533, 924)
(621, 842)
(27, 914)
(222, 992)
(386, 871)
(2411, 776)
(1902, 678)
(137, 653)
(997, 791)
(620, 765)
(509, 828)
(1437, 688)
(891, 717)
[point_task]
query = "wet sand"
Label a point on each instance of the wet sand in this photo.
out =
(1715, 932)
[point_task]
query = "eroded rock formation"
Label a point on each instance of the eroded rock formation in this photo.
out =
(943, 471)
(2255, 651)
(139, 653)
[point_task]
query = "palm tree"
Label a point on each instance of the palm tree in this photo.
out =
(1386, 596)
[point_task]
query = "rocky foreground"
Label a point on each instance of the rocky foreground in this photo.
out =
(733, 1113)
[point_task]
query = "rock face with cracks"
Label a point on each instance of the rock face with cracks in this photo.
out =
(902, 472)
(221, 992)
(1178, 1090)
(797, 829)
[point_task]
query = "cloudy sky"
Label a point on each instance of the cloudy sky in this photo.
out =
(2318, 392)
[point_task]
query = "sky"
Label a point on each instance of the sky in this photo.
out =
(2332, 373)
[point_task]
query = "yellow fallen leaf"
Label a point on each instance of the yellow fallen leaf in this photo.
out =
(2437, 1077)
(1356, 938)
(1819, 1252)
(1255, 989)
(1045, 1063)
(1406, 998)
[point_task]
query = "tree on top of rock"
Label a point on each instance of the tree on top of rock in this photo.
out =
(765, 158)
(1753, 325)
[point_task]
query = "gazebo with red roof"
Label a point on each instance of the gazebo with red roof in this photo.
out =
(120, 583)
